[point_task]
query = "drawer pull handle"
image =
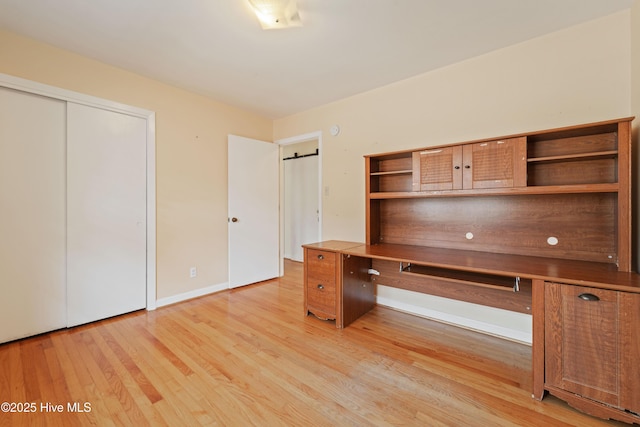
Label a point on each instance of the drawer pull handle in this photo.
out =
(320, 256)
(320, 286)
(588, 297)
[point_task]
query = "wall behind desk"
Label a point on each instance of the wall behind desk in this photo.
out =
(578, 75)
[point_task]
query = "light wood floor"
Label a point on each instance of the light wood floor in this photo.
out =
(249, 357)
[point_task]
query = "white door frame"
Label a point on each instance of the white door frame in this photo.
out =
(150, 116)
(317, 135)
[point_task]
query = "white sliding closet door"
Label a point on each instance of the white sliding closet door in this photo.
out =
(32, 214)
(106, 213)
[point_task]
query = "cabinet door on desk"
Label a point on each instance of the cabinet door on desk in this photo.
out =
(591, 343)
(437, 169)
(321, 283)
(490, 164)
(495, 164)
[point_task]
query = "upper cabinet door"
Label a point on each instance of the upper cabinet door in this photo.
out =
(437, 169)
(492, 164)
(495, 164)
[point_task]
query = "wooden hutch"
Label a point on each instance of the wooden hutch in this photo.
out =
(537, 223)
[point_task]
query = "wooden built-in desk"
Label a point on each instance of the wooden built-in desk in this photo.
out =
(536, 223)
(542, 285)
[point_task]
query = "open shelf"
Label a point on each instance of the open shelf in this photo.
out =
(550, 189)
(399, 172)
(582, 156)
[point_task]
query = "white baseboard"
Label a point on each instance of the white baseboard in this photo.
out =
(473, 324)
(192, 294)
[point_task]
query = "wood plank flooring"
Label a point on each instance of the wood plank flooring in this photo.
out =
(249, 357)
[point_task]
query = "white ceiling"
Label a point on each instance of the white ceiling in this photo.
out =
(217, 47)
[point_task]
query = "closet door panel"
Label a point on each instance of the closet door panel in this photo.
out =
(106, 214)
(32, 214)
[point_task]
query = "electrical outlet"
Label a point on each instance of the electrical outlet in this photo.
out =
(193, 272)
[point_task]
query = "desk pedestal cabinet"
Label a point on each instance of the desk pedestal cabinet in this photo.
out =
(336, 286)
(592, 349)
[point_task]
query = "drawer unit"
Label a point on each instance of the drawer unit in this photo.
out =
(336, 286)
(321, 283)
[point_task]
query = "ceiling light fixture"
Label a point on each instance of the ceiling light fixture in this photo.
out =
(274, 14)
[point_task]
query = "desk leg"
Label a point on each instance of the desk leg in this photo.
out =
(537, 347)
(358, 293)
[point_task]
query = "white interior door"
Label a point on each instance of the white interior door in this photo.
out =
(301, 205)
(106, 214)
(253, 194)
(32, 209)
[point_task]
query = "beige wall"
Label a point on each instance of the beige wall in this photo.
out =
(191, 141)
(572, 76)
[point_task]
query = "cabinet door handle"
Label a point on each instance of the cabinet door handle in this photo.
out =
(320, 256)
(320, 286)
(456, 167)
(588, 297)
(467, 167)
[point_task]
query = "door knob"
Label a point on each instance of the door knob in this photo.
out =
(234, 219)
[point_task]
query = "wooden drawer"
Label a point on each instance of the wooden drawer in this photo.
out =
(321, 299)
(321, 283)
(321, 266)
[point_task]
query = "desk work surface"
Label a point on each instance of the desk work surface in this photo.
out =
(550, 269)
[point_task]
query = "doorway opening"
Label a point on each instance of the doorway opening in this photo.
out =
(300, 204)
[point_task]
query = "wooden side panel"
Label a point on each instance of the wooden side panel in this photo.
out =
(553, 334)
(372, 207)
(373, 222)
(630, 352)
(538, 345)
(624, 199)
(358, 292)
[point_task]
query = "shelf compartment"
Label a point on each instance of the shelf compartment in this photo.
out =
(391, 183)
(391, 163)
(583, 171)
(391, 173)
(542, 146)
